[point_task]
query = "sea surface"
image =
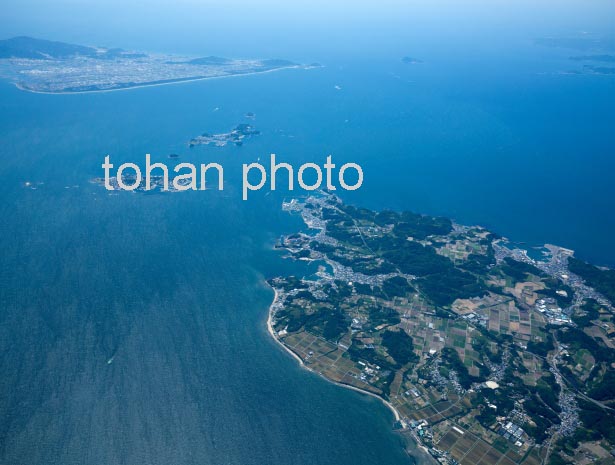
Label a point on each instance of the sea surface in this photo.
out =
(133, 326)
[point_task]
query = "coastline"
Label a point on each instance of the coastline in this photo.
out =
(422, 453)
(303, 365)
(153, 84)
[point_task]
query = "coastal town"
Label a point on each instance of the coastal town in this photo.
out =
(38, 65)
(484, 354)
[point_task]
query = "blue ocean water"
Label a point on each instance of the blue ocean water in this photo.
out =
(132, 327)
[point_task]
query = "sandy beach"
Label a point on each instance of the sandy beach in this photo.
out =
(155, 84)
(303, 365)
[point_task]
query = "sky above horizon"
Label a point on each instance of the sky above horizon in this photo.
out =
(273, 27)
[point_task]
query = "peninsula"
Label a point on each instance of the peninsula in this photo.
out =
(38, 65)
(487, 353)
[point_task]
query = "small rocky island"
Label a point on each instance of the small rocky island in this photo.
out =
(486, 352)
(156, 184)
(411, 61)
(236, 136)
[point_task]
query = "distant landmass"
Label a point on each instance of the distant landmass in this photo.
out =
(480, 350)
(591, 67)
(411, 61)
(599, 69)
(209, 61)
(39, 49)
(603, 58)
(576, 43)
(597, 52)
(40, 65)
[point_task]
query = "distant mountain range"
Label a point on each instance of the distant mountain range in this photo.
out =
(40, 49)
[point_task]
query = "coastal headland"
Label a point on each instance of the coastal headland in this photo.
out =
(43, 66)
(466, 338)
